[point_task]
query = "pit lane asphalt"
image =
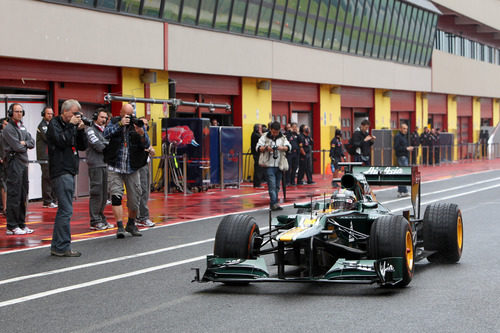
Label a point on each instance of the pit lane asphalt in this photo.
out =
(444, 298)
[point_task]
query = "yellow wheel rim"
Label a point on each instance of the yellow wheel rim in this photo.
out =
(409, 251)
(460, 232)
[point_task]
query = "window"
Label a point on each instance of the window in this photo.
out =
(237, 15)
(385, 29)
(279, 11)
(348, 23)
(365, 21)
(207, 11)
(300, 21)
(379, 28)
(289, 20)
(330, 24)
(404, 35)
(86, 3)
(416, 36)
(130, 6)
(265, 17)
(356, 26)
(372, 27)
(171, 10)
(324, 7)
(190, 11)
(392, 30)
(107, 4)
(151, 8)
(311, 22)
(222, 15)
(252, 17)
(340, 23)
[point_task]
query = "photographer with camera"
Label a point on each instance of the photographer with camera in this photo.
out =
(16, 142)
(98, 173)
(124, 156)
(272, 147)
(66, 136)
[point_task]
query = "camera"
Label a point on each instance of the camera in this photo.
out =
(84, 119)
(136, 121)
(275, 152)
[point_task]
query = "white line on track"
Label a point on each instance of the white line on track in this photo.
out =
(96, 282)
(104, 262)
(177, 263)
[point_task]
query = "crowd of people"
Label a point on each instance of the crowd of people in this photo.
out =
(118, 150)
(299, 147)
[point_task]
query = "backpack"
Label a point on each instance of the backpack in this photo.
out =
(349, 146)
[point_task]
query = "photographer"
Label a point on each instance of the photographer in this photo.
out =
(272, 146)
(124, 156)
(16, 142)
(98, 173)
(66, 137)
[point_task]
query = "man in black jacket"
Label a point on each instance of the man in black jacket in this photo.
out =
(42, 154)
(125, 154)
(402, 149)
(305, 156)
(362, 142)
(293, 155)
(257, 170)
(16, 142)
(66, 137)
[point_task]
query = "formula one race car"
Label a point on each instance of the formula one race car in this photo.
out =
(349, 237)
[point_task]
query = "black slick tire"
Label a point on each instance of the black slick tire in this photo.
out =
(443, 232)
(391, 236)
(235, 237)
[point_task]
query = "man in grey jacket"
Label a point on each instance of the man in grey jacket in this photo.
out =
(16, 142)
(98, 174)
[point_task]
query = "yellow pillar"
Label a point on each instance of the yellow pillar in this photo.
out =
(132, 86)
(452, 123)
(158, 90)
(496, 111)
(476, 119)
(382, 110)
(256, 109)
(330, 120)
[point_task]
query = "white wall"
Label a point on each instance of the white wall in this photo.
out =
(39, 30)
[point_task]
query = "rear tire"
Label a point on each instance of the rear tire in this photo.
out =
(391, 236)
(443, 232)
(236, 237)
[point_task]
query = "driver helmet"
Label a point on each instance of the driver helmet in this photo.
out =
(343, 199)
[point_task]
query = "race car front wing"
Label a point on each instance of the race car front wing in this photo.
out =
(385, 271)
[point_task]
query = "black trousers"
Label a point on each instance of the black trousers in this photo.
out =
(48, 194)
(305, 167)
(258, 172)
(293, 164)
(17, 193)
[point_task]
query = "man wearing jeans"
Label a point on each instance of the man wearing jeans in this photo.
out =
(271, 145)
(402, 150)
(66, 136)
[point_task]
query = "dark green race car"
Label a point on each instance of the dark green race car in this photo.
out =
(349, 238)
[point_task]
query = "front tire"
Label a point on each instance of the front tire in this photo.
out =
(391, 236)
(443, 232)
(237, 237)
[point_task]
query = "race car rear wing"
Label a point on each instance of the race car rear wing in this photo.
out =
(388, 175)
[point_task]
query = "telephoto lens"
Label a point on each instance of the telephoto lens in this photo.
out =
(85, 120)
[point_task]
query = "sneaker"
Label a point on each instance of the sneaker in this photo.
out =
(109, 225)
(98, 226)
(403, 194)
(108, 202)
(50, 205)
(68, 253)
(311, 183)
(27, 230)
(276, 207)
(133, 230)
(145, 223)
(120, 232)
(16, 231)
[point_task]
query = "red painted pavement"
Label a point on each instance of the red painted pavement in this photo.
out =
(177, 207)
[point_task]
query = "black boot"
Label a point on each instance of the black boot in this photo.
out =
(132, 228)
